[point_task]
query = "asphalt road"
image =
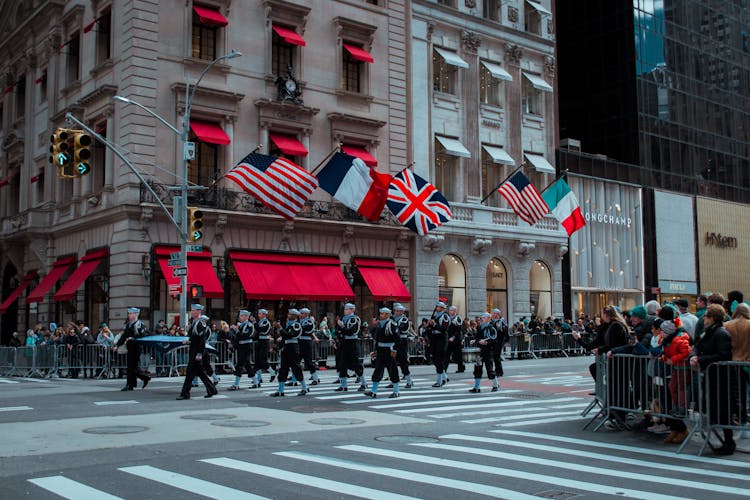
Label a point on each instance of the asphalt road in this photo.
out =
(86, 439)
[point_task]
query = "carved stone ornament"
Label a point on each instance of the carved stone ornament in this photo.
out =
(561, 251)
(512, 14)
(471, 41)
(432, 242)
(513, 53)
(479, 245)
(549, 66)
(287, 88)
(471, 4)
(524, 248)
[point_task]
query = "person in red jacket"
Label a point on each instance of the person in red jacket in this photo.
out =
(676, 353)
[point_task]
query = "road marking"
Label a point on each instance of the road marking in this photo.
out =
(477, 488)
(483, 405)
(6, 381)
(516, 474)
(67, 488)
(110, 403)
(190, 484)
(611, 446)
(499, 415)
(16, 408)
(302, 479)
(542, 421)
(434, 399)
(607, 457)
(508, 404)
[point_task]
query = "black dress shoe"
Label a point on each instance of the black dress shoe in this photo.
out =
(183, 396)
(341, 389)
(437, 385)
(210, 395)
(146, 381)
(495, 389)
(277, 394)
(475, 390)
(127, 388)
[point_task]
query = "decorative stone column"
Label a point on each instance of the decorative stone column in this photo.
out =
(472, 171)
(513, 91)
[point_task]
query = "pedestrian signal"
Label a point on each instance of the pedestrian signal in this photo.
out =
(195, 226)
(196, 291)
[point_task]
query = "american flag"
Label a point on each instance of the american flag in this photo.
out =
(416, 203)
(524, 198)
(278, 183)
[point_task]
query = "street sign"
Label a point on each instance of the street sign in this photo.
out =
(175, 289)
(174, 262)
(194, 248)
(179, 271)
(174, 255)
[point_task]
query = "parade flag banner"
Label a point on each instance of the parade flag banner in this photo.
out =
(563, 204)
(416, 203)
(524, 198)
(359, 187)
(281, 185)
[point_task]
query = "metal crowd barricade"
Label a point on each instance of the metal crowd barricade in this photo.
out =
(7, 361)
(366, 348)
(321, 351)
(179, 360)
(520, 346)
(225, 355)
(543, 344)
(45, 362)
(570, 346)
(24, 361)
(93, 358)
(417, 350)
(725, 386)
(599, 403)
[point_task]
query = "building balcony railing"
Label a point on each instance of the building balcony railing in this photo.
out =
(471, 217)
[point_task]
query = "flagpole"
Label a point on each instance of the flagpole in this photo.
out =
(328, 156)
(523, 164)
(562, 174)
(213, 184)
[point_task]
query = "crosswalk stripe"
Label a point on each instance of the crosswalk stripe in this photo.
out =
(619, 460)
(434, 401)
(499, 415)
(305, 480)
(481, 489)
(537, 421)
(67, 488)
(612, 446)
(516, 474)
(618, 473)
(6, 381)
(16, 408)
(110, 403)
(478, 405)
(506, 405)
(421, 393)
(532, 416)
(191, 484)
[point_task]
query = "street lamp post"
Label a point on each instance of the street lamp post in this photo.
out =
(188, 153)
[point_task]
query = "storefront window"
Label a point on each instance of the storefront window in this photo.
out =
(497, 286)
(452, 282)
(541, 290)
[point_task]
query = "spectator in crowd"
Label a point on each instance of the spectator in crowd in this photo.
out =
(86, 357)
(15, 340)
(714, 298)
(105, 337)
(739, 329)
(652, 308)
(688, 320)
(700, 306)
(72, 341)
(324, 331)
(676, 350)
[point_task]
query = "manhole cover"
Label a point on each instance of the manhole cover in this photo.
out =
(240, 423)
(525, 395)
(561, 495)
(406, 439)
(120, 429)
(336, 421)
(208, 416)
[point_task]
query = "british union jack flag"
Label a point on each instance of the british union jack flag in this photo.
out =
(416, 203)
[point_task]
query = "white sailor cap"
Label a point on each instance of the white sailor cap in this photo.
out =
(398, 307)
(453, 308)
(196, 307)
(440, 303)
(485, 315)
(293, 311)
(304, 310)
(349, 305)
(262, 311)
(385, 310)
(204, 317)
(244, 312)
(132, 310)
(496, 311)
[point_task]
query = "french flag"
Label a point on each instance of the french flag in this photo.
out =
(356, 185)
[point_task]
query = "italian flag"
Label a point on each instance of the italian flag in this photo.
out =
(564, 206)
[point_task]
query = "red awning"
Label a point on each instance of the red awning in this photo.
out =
(89, 262)
(360, 153)
(209, 132)
(200, 271)
(209, 16)
(289, 145)
(358, 54)
(58, 269)
(277, 276)
(25, 283)
(290, 36)
(382, 279)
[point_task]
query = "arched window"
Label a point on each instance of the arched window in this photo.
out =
(541, 290)
(497, 286)
(452, 282)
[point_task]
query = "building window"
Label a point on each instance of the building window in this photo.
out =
(74, 59)
(282, 55)
(540, 284)
(492, 174)
(443, 74)
(203, 170)
(351, 73)
(491, 10)
(452, 282)
(449, 3)
(104, 37)
(497, 286)
(204, 39)
(445, 175)
(98, 159)
(532, 20)
(13, 194)
(21, 97)
(43, 87)
(532, 99)
(490, 87)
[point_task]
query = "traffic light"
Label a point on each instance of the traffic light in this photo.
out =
(196, 291)
(81, 152)
(60, 153)
(195, 224)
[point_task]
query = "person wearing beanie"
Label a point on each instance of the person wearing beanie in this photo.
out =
(676, 351)
(688, 320)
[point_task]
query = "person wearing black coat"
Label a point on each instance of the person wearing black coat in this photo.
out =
(198, 332)
(133, 329)
(714, 345)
